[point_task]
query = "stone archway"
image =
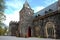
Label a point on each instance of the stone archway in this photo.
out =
(50, 30)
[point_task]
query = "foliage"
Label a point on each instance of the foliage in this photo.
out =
(2, 17)
(2, 7)
(3, 29)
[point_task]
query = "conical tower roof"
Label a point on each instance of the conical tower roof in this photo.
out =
(26, 4)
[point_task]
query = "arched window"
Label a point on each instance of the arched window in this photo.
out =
(50, 30)
(37, 31)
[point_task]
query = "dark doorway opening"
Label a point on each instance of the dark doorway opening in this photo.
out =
(29, 32)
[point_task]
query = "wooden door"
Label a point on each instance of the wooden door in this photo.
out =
(29, 32)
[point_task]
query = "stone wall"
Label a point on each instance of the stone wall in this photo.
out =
(42, 23)
(13, 28)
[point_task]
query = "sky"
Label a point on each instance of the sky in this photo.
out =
(14, 6)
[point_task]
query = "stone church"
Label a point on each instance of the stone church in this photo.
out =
(45, 23)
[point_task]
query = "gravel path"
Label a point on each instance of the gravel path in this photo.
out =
(19, 38)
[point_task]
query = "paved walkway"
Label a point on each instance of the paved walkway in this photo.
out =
(18, 38)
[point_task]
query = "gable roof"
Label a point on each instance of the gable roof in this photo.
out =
(53, 6)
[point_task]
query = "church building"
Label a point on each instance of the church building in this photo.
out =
(44, 23)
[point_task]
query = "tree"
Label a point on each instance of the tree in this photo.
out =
(3, 31)
(2, 7)
(2, 16)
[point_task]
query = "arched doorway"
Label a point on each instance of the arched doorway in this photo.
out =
(29, 31)
(50, 30)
